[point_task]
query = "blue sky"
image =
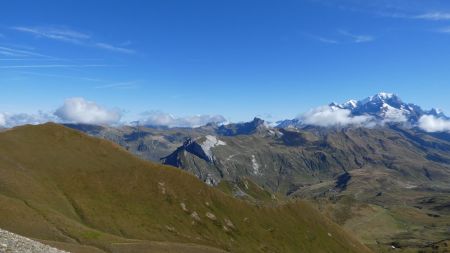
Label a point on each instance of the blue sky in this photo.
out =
(239, 59)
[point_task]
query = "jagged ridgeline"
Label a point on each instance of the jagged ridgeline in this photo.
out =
(84, 194)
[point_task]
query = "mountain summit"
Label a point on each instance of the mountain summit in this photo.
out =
(380, 108)
(387, 107)
(256, 125)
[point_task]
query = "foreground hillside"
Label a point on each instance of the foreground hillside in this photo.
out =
(83, 194)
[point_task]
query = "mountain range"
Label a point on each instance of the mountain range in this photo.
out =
(371, 164)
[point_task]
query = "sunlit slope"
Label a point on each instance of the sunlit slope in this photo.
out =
(74, 191)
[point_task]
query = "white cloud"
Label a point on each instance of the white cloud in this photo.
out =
(332, 116)
(79, 110)
(18, 119)
(168, 120)
(431, 123)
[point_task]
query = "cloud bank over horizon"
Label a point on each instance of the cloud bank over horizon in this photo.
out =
(155, 118)
(334, 115)
(326, 116)
(17, 119)
(82, 111)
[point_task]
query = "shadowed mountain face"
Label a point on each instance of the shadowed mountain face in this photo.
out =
(288, 160)
(88, 195)
(149, 143)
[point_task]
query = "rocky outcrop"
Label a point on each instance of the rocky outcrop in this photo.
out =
(13, 243)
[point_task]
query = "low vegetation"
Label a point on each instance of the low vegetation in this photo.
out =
(85, 194)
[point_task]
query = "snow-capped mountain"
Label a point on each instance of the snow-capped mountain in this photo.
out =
(386, 107)
(379, 108)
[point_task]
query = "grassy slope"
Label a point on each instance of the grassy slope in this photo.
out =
(392, 204)
(69, 189)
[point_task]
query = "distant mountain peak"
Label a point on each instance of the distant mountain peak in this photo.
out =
(350, 103)
(256, 125)
(258, 121)
(380, 108)
(384, 95)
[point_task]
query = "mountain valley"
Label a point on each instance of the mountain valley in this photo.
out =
(386, 181)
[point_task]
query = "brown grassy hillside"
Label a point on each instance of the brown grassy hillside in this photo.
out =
(88, 195)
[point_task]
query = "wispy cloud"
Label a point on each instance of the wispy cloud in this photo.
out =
(324, 40)
(71, 36)
(443, 30)
(403, 9)
(8, 51)
(119, 85)
(343, 37)
(40, 73)
(114, 48)
(357, 38)
(436, 16)
(20, 59)
(54, 66)
(427, 16)
(62, 34)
